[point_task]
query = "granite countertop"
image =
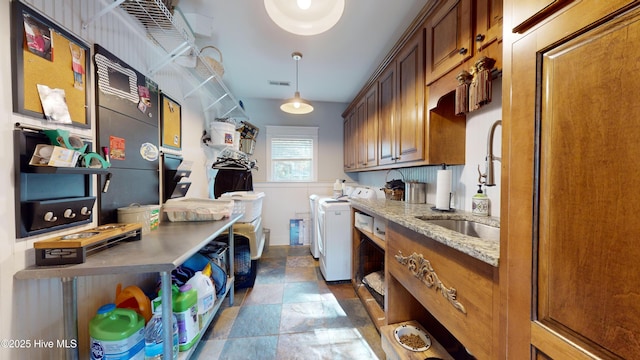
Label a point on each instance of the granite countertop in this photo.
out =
(406, 215)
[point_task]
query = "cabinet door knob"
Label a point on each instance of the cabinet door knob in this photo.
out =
(85, 211)
(480, 37)
(462, 51)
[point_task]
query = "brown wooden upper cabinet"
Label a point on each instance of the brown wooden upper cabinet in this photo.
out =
(448, 38)
(368, 116)
(350, 140)
(361, 133)
(488, 27)
(401, 121)
(386, 114)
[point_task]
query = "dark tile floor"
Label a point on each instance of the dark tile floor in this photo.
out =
(291, 313)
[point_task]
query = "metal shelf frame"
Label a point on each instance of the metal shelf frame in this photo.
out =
(174, 35)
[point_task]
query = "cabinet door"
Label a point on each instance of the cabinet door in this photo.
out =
(387, 115)
(448, 38)
(371, 128)
(360, 140)
(530, 12)
(588, 267)
(410, 101)
(570, 82)
(488, 27)
(349, 150)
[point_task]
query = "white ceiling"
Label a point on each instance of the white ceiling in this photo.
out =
(335, 64)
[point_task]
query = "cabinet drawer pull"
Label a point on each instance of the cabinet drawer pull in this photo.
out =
(480, 37)
(462, 51)
(422, 270)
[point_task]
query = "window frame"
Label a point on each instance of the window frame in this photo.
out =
(293, 132)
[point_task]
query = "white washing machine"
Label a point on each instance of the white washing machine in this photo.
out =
(334, 236)
(334, 239)
(314, 202)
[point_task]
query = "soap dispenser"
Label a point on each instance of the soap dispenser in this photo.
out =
(480, 203)
(337, 189)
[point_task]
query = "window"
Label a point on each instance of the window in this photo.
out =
(292, 153)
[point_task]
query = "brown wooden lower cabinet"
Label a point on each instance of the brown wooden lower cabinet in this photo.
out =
(449, 290)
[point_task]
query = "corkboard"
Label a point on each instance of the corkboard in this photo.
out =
(51, 65)
(171, 123)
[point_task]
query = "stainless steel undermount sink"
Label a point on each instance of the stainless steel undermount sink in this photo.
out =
(467, 227)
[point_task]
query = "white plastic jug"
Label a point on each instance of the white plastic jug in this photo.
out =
(206, 295)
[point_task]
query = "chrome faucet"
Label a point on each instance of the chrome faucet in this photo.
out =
(489, 171)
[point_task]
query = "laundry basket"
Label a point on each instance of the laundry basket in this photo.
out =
(216, 65)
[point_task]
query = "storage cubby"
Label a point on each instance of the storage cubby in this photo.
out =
(369, 259)
(49, 198)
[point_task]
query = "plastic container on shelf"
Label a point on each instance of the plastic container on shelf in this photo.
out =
(185, 307)
(206, 296)
(147, 215)
(154, 336)
(195, 209)
(116, 334)
(132, 297)
(247, 202)
(222, 133)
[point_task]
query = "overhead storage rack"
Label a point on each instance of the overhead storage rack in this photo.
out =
(173, 34)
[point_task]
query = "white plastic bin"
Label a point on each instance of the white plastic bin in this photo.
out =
(222, 134)
(364, 222)
(247, 202)
(195, 209)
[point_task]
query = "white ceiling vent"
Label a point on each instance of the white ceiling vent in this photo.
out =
(279, 83)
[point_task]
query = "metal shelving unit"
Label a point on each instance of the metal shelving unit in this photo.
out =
(174, 35)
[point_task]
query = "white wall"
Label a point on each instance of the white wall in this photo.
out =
(326, 116)
(285, 201)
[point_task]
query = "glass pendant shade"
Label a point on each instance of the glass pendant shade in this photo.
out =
(305, 17)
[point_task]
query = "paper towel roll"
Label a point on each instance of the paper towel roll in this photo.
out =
(443, 189)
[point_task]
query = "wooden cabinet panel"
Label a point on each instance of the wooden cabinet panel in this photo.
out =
(349, 150)
(459, 291)
(361, 134)
(371, 128)
(448, 38)
(570, 85)
(531, 12)
(410, 99)
(488, 29)
(387, 115)
(588, 265)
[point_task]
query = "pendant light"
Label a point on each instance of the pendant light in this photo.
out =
(305, 17)
(296, 104)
